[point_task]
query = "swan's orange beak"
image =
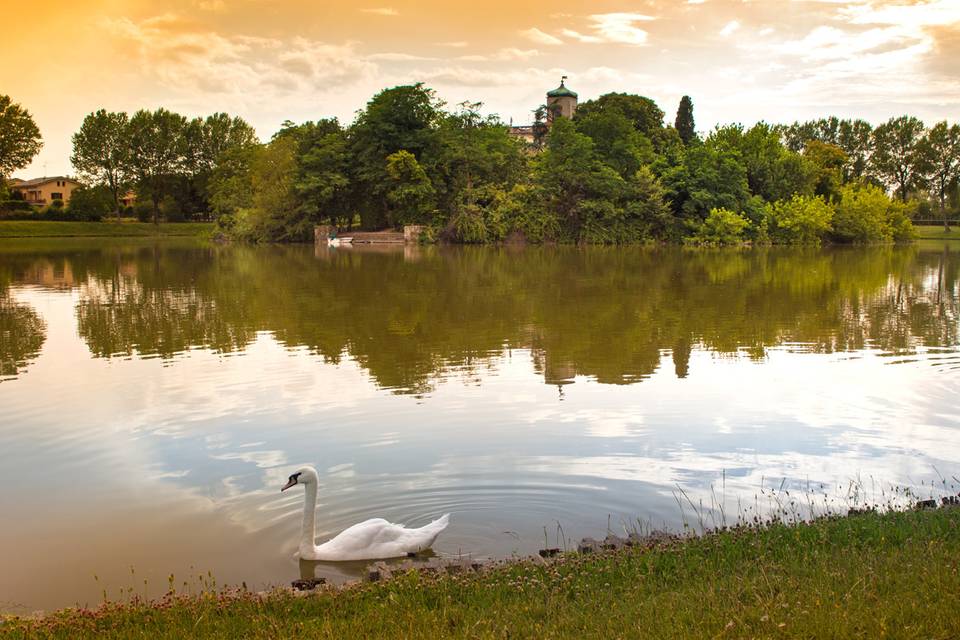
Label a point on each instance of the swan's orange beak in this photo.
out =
(289, 484)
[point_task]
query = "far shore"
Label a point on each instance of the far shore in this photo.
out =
(129, 228)
(105, 228)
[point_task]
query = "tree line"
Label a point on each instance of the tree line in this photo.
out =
(165, 158)
(615, 173)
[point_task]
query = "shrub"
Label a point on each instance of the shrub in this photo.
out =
(800, 220)
(722, 226)
(865, 213)
(143, 210)
(521, 211)
(16, 209)
(467, 225)
(171, 211)
(90, 203)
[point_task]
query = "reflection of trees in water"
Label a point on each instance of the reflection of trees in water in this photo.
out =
(608, 313)
(22, 333)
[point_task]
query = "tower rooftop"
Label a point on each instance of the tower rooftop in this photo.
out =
(562, 91)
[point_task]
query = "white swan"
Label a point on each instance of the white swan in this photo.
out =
(374, 539)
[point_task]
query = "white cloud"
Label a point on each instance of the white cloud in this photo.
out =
(730, 28)
(503, 55)
(620, 27)
(469, 77)
(538, 36)
(932, 12)
(397, 57)
(576, 35)
(183, 57)
(382, 11)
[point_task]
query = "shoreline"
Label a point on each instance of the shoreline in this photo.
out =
(27, 229)
(127, 228)
(863, 574)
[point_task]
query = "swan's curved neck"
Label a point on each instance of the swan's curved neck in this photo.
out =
(308, 532)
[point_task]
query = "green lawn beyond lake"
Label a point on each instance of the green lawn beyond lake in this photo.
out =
(125, 229)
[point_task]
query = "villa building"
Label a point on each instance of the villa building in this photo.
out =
(43, 191)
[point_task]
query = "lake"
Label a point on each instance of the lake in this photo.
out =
(154, 397)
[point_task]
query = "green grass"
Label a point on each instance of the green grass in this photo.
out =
(866, 576)
(937, 233)
(124, 229)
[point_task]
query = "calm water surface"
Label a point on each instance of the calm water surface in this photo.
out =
(154, 397)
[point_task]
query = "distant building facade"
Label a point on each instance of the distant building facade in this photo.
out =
(43, 191)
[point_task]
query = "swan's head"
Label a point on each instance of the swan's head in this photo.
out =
(303, 475)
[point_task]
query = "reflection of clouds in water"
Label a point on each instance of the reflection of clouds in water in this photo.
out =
(262, 459)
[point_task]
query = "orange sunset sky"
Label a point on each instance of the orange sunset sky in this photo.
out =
(271, 60)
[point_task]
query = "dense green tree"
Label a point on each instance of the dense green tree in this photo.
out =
(19, 137)
(616, 140)
(403, 118)
(856, 139)
(864, 213)
(323, 186)
(158, 147)
(648, 213)
(706, 178)
(409, 191)
(721, 227)
(205, 141)
(209, 138)
(273, 214)
(942, 148)
(685, 124)
(472, 154)
(827, 162)
(91, 202)
(101, 153)
(643, 112)
(773, 171)
(231, 185)
(576, 183)
(899, 155)
(799, 220)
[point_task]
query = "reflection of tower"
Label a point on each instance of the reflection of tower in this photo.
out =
(681, 356)
(559, 373)
(561, 102)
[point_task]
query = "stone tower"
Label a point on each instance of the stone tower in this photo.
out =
(561, 102)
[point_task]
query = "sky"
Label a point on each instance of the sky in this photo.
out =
(270, 60)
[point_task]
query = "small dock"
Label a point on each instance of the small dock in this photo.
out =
(409, 235)
(375, 237)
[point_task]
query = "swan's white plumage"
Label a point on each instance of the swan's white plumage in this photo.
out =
(376, 539)
(373, 539)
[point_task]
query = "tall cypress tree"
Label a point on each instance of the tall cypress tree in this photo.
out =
(685, 125)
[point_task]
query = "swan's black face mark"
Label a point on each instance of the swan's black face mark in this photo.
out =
(292, 480)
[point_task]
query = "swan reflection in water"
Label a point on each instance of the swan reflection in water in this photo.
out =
(342, 572)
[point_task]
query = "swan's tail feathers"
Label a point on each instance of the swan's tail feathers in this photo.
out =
(434, 529)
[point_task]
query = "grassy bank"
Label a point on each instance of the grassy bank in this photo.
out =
(937, 233)
(114, 229)
(866, 576)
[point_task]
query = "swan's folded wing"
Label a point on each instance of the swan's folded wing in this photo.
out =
(378, 538)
